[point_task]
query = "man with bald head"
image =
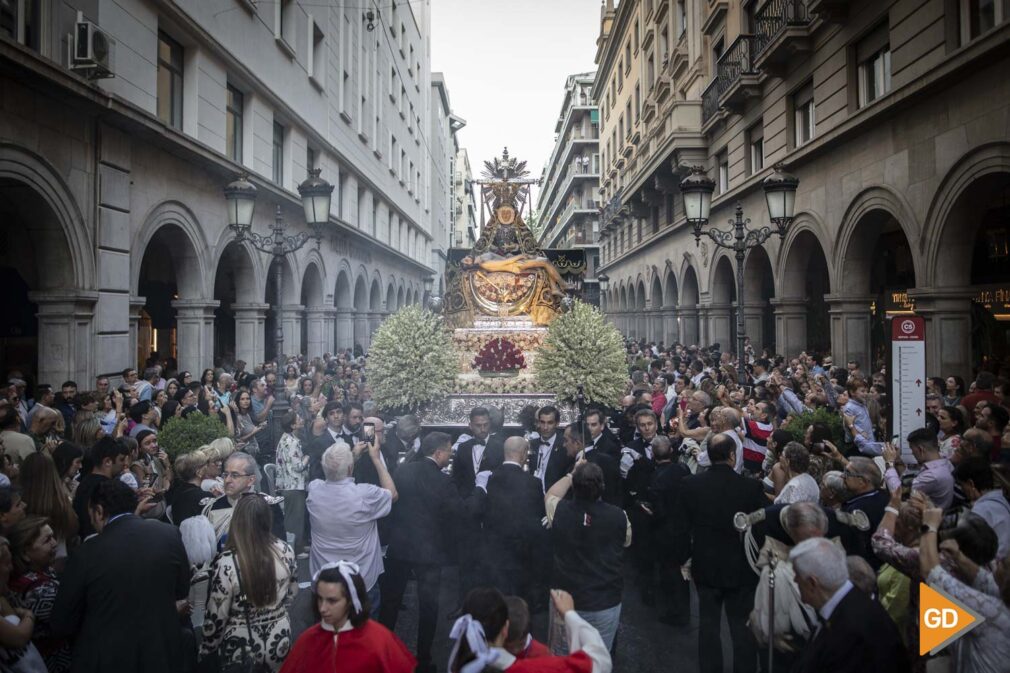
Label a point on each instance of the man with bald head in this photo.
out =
(513, 534)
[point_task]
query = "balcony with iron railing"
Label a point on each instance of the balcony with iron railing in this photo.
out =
(782, 32)
(736, 76)
(710, 102)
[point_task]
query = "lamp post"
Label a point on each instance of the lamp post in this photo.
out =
(780, 195)
(604, 283)
(241, 198)
(429, 283)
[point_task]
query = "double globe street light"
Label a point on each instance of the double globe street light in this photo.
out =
(780, 195)
(241, 198)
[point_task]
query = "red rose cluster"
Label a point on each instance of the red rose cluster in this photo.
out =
(499, 355)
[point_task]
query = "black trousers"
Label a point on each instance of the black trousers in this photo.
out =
(738, 603)
(394, 583)
(675, 591)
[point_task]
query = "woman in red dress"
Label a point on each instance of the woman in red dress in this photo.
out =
(345, 639)
(481, 632)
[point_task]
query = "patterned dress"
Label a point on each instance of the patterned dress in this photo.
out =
(224, 627)
(291, 469)
(36, 591)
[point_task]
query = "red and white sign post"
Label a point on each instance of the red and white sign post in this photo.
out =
(908, 379)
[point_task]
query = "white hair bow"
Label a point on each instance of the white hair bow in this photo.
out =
(471, 629)
(347, 570)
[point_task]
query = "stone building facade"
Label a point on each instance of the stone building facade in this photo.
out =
(111, 206)
(465, 225)
(893, 115)
(569, 199)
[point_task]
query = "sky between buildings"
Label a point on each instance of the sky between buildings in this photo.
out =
(505, 65)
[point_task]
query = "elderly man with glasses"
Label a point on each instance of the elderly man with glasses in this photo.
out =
(863, 481)
(241, 473)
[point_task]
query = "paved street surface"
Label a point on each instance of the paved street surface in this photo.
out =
(643, 644)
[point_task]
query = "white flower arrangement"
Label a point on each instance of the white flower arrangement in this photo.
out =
(412, 360)
(582, 348)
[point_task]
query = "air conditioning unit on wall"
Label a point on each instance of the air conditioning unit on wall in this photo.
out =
(91, 50)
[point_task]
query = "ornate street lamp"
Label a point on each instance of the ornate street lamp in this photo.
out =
(780, 194)
(604, 281)
(241, 199)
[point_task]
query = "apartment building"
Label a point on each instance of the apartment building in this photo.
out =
(120, 125)
(891, 114)
(569, 200)
(466, 227)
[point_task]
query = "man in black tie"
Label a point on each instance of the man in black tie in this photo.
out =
(723, 578)
(549, 462)
(855, 633)
(577, 442)
(513, 530)
(333, 412)
(660, 504)
(601, 436)
(473, 456)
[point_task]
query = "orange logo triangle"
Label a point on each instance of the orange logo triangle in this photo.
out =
(942, 620)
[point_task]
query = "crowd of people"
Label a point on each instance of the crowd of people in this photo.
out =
(773, 491)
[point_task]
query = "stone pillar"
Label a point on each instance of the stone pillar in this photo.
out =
(374, 320)
(138, 353)
(642, 322)
(194, 321)
(850, 329)
(249, 332)
(66, 338)
(319, 324)
(753, 321)
(689, 322)
(720, 319)
(291, 322)
(947, 312)
(790, 326)
(345, 328)
(361, 329)
(670, 332)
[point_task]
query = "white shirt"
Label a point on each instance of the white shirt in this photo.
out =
(828, 608)
(801, 488)
(478, 453)
(545, 453)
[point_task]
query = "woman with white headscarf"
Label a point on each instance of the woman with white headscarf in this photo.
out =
(346, 639)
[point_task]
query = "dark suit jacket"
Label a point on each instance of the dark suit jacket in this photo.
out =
(463, 474)
(117, 597)
(611, 475)
(558, 462)
(425, 513)
(856, 541)
(662, 495)
(704, 525)
(314, 449)
(609, 444)
(513, 517)
(858, 638)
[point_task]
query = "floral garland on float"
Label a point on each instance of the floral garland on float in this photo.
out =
(499, 357)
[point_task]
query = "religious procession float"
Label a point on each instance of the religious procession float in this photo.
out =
(510, 331)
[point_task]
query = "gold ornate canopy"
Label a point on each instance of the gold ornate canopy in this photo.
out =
(506, 274)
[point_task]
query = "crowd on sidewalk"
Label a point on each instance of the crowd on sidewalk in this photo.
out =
(774, 490)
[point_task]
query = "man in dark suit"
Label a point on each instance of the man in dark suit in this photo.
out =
(600, 435)
(722, 575)
(513, 531)
(420, 540)
(660, 503)
(473, 456)
(577, 442)
(548, 459)
(118, 596)
(403, 439)
(107, 459)
(863, 481)
(855, 635)
(333, 412)
(637, 467)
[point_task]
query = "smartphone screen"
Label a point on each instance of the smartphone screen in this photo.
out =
(369, 430)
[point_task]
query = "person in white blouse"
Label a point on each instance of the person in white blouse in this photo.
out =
(801, 487)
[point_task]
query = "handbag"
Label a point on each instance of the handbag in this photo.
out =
(247, 662)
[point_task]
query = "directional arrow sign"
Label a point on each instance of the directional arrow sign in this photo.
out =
(908, 370)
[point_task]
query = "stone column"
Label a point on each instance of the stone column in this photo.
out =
(137, 353)
(720, 319)
(65, 319)
(689, 321)
(670, 332)
(850, 329)
(790, 325)
(753, 321)
(345, 328)
(361, 329)
(947, 312)
(249, 332)
(319, 323)
(291, 322)
(194, 320)
(374, 320)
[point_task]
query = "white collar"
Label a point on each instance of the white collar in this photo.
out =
(345, 627)
(588, 449)
(504, 660)
(829, 608)
(512, 462)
